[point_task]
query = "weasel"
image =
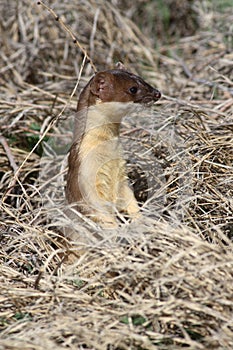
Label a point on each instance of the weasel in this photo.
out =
(97, 180)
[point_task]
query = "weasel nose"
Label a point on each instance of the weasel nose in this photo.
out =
(157, 94)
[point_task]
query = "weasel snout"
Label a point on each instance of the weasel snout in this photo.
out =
(145, 93)
(157, 94)
(151, 98)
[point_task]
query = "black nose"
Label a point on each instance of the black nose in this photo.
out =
(157, 94)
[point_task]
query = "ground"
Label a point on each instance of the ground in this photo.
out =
(165, 281)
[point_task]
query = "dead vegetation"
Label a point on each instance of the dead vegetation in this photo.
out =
(165, 282)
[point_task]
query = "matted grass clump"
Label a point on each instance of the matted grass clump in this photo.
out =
(166, 281)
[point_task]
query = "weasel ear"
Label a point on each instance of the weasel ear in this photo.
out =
(120, 65)
(100, 84)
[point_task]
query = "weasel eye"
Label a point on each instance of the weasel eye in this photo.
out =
(133, 90)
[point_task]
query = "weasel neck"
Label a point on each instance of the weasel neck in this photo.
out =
(107, 116)
(98, 119)
(103, 132)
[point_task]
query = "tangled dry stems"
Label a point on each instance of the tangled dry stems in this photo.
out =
(163, 283)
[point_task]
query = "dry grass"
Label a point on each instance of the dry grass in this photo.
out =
(165, 282)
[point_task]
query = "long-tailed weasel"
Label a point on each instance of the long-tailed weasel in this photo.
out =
(97, 180)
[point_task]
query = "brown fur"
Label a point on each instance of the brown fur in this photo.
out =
(97, 180)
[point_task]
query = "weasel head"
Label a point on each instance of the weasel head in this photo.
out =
(117, 85)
